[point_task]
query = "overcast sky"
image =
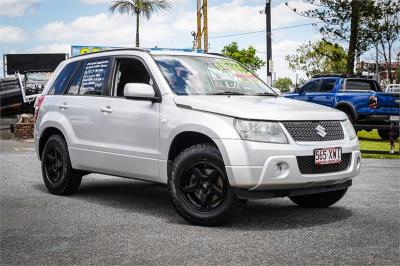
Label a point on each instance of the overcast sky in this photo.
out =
(28, 26)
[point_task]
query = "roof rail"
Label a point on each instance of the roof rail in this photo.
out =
(330, 75)
(217, 54)
(115, 49)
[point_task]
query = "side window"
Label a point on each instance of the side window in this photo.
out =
(94, 77)
(77, 80)
(129, 70)
(328, 85)
(359, 85)
(312, 86)
(60, 84)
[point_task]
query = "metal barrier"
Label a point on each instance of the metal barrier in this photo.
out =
(392, 127)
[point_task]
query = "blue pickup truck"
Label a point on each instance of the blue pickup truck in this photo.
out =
(363, 100)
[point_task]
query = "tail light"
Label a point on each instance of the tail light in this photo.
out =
(373, 102)
(38, 104)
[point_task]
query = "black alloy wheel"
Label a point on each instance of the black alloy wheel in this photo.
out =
(58, 175)
(55, 167)
(199, 187)
(203, 187)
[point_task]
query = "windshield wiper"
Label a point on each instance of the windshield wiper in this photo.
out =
(265, 94)
(226, 93)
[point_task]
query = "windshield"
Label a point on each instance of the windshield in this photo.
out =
(198, 75)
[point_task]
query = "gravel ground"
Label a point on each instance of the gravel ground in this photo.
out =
(120, 221)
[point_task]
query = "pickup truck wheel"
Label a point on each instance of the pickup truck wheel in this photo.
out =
(58, 175)
(319, 200)
(385, 134)
(199, 187)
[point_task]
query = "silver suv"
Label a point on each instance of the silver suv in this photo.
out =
(202, 124)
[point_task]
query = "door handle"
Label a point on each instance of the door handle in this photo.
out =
(63, 106)
(107, 109)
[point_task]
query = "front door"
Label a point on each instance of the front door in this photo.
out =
(130, 127)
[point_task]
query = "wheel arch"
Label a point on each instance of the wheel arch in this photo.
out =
(186, 139)
(348, 107)
(46, 134)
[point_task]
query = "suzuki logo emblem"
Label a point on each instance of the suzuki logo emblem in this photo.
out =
(320, 130)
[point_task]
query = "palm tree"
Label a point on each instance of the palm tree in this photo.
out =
(139, 8)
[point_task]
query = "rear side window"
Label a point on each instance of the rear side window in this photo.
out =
(94, 77)
(60, 84)
(328, 85)
(359, 85)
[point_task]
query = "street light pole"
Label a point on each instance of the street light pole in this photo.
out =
(269, 40)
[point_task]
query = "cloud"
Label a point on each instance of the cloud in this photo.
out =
(13, 8)
(238, 16)
(106, 29)
(51, 48)
(10, 34)
(95, 2)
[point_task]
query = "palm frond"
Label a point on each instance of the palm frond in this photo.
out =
(124, 6)
(148, 7)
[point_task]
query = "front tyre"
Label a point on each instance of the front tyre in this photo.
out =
(319, 200)
(58, 175)
(199, 187)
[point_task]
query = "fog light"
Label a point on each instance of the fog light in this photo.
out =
(280, 170)
(358, 163)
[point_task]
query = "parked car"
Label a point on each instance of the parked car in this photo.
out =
(361, 99)
(18, 92)
(200, 123)
(393, 88)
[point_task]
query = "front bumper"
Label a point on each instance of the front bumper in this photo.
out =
(254, 165)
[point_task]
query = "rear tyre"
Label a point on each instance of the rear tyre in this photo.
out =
(319, 200)
(385, 134)
(199, 187)
(58, 175)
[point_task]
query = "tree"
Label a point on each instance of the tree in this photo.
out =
(245, 56)
(320, 57)
(284, 84)
(343, 20)
(139, 8)
(385, 30)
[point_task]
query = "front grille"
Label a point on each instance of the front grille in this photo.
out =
(307, 165)
(306, 130)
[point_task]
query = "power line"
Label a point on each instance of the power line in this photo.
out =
(263, 31)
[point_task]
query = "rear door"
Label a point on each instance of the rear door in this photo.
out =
(324, 94)
(82, 104)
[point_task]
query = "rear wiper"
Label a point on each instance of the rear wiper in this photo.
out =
(265, 94)
(226, 93)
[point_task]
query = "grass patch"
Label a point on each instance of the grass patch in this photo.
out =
(372, 141)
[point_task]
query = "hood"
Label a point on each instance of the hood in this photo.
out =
(260, 107)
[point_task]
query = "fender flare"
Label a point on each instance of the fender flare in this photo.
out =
(349, 106)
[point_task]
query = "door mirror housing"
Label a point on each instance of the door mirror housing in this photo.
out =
(140, 91)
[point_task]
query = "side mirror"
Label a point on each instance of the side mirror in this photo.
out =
(140, 91)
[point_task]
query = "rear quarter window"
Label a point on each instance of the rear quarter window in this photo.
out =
(61, 82)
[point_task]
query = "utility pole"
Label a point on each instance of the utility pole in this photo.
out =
(269, 39)
(202, 24)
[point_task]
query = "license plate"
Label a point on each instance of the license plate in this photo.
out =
(328, 156)
(394, 118)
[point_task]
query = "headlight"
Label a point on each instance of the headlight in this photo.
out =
(260, 131)
(349, 129)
